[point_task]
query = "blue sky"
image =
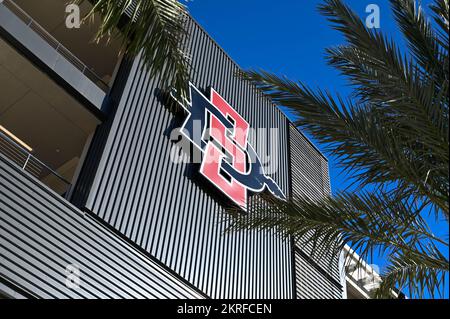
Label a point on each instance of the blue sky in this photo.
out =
(288, 37)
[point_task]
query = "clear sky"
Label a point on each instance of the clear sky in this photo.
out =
(287, 37)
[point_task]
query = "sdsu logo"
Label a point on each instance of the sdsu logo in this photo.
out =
(229, 161)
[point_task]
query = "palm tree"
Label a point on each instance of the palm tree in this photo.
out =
(391, 136)
(155, 28)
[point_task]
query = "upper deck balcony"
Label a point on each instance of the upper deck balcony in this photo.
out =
(43, 128)
(39, 28)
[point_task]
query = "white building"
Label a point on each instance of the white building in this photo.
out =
(361, 279)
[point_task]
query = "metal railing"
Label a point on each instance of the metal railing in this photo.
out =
(44, 34)
(29, 163)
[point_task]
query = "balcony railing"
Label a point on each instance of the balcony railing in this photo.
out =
(29, 163)
(36, 27)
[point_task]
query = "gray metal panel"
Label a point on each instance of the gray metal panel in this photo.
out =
(41, 233)
(313, 284)
(156, 203)
(310, 177)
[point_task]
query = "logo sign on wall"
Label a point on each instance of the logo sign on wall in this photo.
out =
(229, 161)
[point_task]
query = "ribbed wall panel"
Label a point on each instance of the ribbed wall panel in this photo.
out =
(309, 167)
(160, 206)
(311, 283)
(310, 177)
(41, 233)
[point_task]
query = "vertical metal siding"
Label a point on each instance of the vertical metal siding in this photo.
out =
(309, 174)
(154, 202)
(40, 234)
(312, 283)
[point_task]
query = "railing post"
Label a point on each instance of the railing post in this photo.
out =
(51, 40)
(26, 162)
(16, 149)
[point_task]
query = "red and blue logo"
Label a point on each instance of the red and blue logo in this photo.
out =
(229, 161)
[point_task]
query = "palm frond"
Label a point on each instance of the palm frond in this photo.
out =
(418, 273)
(440, 9)
(362, 138)
(396, 84)
(373, 223)
(422, 40)
(155, 29)
(368, 41)
(383, 75)
(404, 94)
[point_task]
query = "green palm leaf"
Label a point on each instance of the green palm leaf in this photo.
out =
(422, 40)
(155, 29)
(417, 272)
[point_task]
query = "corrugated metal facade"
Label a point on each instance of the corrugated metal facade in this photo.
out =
(312, 283)
(41, 234)
(158, 205)
(310, 177)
